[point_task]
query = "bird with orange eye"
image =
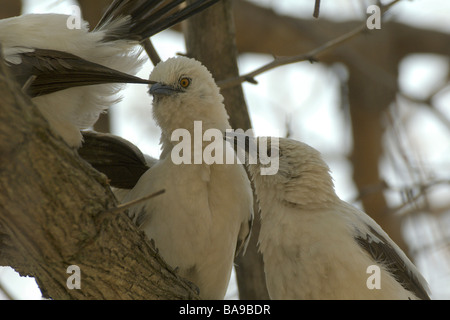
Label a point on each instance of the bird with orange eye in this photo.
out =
(185, 82)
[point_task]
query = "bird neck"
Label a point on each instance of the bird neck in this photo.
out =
(307, 192)
(318, 196)
(193, 116)
(192, 139)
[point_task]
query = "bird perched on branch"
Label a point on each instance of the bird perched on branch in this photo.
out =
(316, 246)
(204, 217)
(54, 63)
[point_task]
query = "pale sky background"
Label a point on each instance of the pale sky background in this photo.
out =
(288, 96)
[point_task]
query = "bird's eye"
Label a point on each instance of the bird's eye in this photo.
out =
(185, 82)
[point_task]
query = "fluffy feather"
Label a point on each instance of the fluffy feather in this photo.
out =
(316, 246)
(112, 44)
(76, 108)
(203, 219)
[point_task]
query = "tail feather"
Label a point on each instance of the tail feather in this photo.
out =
(141, 19)
(151, 17)
(166, 21)
(53, 71)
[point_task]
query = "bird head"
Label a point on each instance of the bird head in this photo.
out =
(302, 176)
(184, 91)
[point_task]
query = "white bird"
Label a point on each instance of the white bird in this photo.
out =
(316, 246)
(204, 217)
(46, 56)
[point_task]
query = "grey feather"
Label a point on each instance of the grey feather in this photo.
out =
(121, 161)
(383, 253)
(56, 70)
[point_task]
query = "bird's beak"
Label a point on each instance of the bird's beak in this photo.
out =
(160, 89)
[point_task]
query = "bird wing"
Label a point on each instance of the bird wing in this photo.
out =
(145, 18)
(121, 161)
(382, 251)
(43, 71)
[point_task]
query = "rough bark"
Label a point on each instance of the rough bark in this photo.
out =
(10, 8)
(54, 212)
(210, 38)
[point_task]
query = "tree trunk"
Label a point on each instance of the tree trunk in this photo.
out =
(55, 211)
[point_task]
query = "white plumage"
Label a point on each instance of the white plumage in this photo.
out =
(316, 246)
(113, 44)
(204, 217)
(76, 108)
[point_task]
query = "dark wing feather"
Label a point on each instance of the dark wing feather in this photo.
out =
(146, 17)
(121, 161)
(56, 70)
(383, 253)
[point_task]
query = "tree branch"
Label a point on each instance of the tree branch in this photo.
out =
(316, 9)
(55, 212)
(311, 56)
(151, 51)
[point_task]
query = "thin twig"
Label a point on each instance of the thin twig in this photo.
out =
(6, 293)
(422, 191)
(428, 102)
(388, 6)
(151, 51)
(311, 56)
(125, 206)
(413, 192)
(316, 9)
